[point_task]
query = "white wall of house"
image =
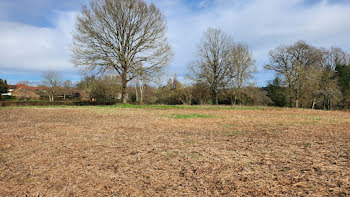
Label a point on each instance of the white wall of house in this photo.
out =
(9, 93)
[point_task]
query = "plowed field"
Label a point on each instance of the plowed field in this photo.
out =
(110, 151)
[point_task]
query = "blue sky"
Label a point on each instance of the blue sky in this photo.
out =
(35, 35)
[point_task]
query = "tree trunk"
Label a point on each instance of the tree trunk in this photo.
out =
(137, 95)
(297, 103)
(51, 94)
(141, 94)
(51, 98)
(201, 101)
(232, 98)
(124, 93)
(214, 97)
(141, 91)
(124, 86)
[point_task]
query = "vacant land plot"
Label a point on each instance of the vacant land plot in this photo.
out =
(160, 151)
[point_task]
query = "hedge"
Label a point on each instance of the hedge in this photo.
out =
(48, 103)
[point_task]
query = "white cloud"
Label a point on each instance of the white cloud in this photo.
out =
(29, 48)
(203, 4)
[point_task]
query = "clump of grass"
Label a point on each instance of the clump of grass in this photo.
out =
(314, 118)
(231, 126)
(193, 155)
(236, 133)
(170, 153)
(187, 116)
(245, 107)
(307, 145)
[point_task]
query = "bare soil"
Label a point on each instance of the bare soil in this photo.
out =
(97, 151)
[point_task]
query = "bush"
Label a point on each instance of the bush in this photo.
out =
(7, 97)
(32, 103)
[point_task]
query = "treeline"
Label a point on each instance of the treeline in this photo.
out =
(309, 77)
(306, 77)
(173, 92)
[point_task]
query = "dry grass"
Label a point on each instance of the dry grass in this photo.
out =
(94, 151)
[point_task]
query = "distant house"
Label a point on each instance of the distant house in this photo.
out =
(71, 93)
(25, 93)
(22, 91)
(10, 90)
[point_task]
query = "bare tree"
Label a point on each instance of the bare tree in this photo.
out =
(200, 93)
(329, 89)
(186, 94)
(141, 81)
(67, 88)
(213, 64)
(136, 91)
(52, 80)
(243, 67)
(140, 85)
(293, 63)
(321, 89)
(127, 36)
(335, 56)
(101, 88)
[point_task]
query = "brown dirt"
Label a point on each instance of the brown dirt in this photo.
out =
(91, 151)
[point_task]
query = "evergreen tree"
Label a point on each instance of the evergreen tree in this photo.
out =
(343, 74)
(276, 92)
(3, 86)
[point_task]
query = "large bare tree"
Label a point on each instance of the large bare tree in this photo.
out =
(127, 36)
(212, 66)
(294, 63)
(52, 80)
